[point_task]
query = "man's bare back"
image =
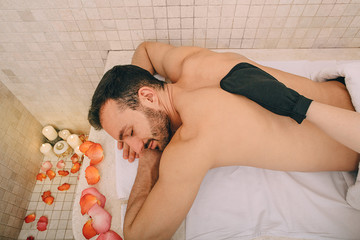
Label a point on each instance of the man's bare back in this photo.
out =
(249, 135)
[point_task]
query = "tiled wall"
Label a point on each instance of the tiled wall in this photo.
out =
(20, 158)
(52, 52)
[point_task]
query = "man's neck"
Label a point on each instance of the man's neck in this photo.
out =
(167, 101)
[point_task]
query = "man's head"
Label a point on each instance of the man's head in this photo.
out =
(123, 105)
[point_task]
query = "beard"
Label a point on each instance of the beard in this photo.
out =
(160, 127)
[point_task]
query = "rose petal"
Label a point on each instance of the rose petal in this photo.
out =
(49, 200)
(87, 201)
(63, 173)
(30, 238)
(75, 168)
(85, 146)
(88, 230)
(30, 218)
(92, 175)
(46, 166)
(60, 164)
(45, 194)
(51, 174)
(42, 223)
(109, 235)
(95, 153)
(96, 193)
(101, 219)
(74, 158)
(64, 187)
(40, 176)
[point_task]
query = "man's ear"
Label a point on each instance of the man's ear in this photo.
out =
(148, 97)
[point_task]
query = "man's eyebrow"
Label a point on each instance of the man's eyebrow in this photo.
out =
(122, 133)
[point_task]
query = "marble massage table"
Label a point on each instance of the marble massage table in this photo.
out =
(244, 202)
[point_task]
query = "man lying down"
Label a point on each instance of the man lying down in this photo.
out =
(184, 128)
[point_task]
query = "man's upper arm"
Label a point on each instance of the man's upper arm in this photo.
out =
(182, 170)
(162, 58)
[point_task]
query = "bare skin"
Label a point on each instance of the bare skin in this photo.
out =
(212, 128)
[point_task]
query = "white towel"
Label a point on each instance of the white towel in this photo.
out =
(351, 72)
(125, 174)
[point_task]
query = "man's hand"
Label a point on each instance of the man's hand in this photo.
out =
(128, 153)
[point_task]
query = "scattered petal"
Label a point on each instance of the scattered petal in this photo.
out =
(63, 173)
(87, 201)
(92, 175)
(30, 218)
(85, 146)
(88, 230)
(47, 198)
(64, 187)
(74, 158)
(101, 219)
(51, 174)
(96, 193)
(30, 238)
(75, 168)
(109, 235)
(42, 223)
(95, 153)
(40, 176)
(83, 138)
(46, 166)
(60, 164)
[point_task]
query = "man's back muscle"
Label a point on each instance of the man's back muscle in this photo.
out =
(240, 132)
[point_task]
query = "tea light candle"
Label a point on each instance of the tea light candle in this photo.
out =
(46, 149)
(73, 140)
(64, 134)
(50, 133)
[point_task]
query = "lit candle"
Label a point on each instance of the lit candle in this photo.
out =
(64, 134)
(46, 149)
(50, 133)
(73, 140)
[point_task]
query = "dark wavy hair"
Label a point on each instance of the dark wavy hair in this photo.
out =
(121, 83)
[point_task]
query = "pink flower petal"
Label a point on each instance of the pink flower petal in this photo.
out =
(110, 235)
(93, 191)
(101, 218)
(46, 166)
(60, 164)
(42, 223)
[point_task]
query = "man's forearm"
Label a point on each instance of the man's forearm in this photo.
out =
(142, 59)
(147, 175)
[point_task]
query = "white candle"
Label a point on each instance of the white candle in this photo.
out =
(46, 149)
(64, 134)
(73, 140)
(77, 151)
(50, 133)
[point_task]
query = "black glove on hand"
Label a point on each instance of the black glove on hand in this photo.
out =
(259, 86)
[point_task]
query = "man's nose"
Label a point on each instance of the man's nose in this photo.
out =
(135, 144)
